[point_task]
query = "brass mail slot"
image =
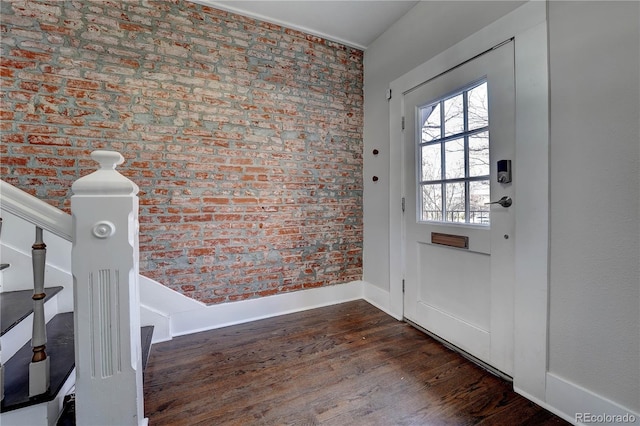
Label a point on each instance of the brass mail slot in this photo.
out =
(450, 240)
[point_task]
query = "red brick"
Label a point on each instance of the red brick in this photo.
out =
(14, 161)
(56, 162)
(6, 115)
(48, 140)
(232, 167)
(83, 84)
(28, 54)
(6, 73)
(34, 128)
(55, 29)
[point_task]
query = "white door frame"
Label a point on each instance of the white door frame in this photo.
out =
(528, 26)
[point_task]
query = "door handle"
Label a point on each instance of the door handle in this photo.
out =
(505, 201)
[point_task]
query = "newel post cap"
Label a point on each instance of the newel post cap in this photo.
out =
(106, 180)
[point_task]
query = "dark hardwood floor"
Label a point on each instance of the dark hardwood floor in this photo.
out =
(348, 364)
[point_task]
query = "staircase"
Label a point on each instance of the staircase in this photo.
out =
(40, 337)
(16, 308)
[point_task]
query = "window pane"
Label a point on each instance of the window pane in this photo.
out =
(430, 122)
(479, 154)
(431, 162)
(455, 202)
(479, 195)
(453, 116)
(453, 166)
(454, 159)
(478, 107)
(431, 202)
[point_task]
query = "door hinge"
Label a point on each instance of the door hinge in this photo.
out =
(403, 204)
(388, 94)
(402, 123)
(403, 285)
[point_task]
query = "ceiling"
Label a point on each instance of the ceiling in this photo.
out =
(356, 23)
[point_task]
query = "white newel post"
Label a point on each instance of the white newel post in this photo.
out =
(104, 257)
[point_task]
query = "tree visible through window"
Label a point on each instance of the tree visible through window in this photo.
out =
(453, 149)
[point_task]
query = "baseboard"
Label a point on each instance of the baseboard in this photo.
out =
(581, 406)
(222, 315)
(161, 323)
(379, 298)
(543, 404)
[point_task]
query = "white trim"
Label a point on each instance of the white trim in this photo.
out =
(161, 323)
(56, 406)
(287, 24)
(532, 211)
(379, 298)
(527, 25)
(227, 314)
(163, 299)
(35, 211)
(158, 303)
(34, 415)
(568, 399)
(543, 404)
(520, 20)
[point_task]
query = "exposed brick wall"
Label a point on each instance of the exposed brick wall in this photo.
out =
(244, 137)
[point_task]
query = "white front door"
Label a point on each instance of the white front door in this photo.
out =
(458, 250)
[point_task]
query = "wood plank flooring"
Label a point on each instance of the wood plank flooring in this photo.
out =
(348, 364)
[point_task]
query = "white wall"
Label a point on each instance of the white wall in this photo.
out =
(428, 29)
(594, 322)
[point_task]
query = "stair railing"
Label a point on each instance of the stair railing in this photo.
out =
(104, 236)
(36, 211)
(44, 217)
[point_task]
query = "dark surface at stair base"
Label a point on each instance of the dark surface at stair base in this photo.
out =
(60, 350)
(68, 416)
(17, 305)
(146, 334)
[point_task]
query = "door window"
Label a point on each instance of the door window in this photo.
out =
(453, 153)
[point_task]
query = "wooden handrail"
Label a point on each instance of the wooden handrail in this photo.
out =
(36, 211)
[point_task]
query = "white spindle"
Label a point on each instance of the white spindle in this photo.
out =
(39, 366)
(104, 264)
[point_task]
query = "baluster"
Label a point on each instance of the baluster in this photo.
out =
(39, 366)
